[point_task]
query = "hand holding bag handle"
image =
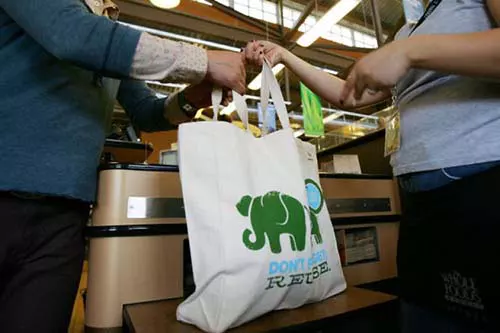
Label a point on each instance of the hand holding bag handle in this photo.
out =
(269, 86)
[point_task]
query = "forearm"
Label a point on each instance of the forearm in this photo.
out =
(164, 60)
(473, 54)
(321, 83)
(173, 112)
(149, 112)
(327, 86)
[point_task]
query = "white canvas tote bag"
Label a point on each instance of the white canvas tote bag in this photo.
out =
(260, 235)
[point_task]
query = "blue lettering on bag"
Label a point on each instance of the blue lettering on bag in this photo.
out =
(286, 266)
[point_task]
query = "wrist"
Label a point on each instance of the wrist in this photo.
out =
(285, 56)
(185, 104)
(208, 75)
(412, 49)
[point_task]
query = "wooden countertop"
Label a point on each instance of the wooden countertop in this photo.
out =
(160, 316)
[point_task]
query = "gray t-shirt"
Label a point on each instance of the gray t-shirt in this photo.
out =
(448, 120)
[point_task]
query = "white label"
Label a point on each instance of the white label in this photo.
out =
(136, 208)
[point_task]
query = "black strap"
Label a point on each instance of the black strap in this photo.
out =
(428, 11)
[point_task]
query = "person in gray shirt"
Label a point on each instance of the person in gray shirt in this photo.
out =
(444, 74)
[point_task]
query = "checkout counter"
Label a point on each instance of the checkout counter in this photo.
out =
(354, 311)
(139, 251)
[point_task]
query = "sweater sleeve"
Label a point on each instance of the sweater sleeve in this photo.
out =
(67, 30)
(147, 111)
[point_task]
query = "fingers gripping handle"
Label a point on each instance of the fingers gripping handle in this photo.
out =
(269, 87)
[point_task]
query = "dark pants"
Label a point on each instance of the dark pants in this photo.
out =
(448, 255)
(41, 257)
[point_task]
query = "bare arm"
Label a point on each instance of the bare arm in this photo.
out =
(468, 54)
(474, 54)
(327, 86)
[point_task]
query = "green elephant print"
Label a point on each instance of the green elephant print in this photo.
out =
(316, 202)
(273, 215)
(276, 214)
(315, 232)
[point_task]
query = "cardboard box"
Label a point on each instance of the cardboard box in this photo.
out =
(348, 164)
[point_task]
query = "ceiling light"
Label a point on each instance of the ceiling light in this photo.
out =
(257, 98)
(329, 71)
(255, 84)
(332, 117)
(332, 17)
(347, 113)
(167, 85)
(182, 37)
(166, 4)
(339, 122)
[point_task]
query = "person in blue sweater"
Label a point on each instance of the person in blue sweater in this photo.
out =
(63, 63)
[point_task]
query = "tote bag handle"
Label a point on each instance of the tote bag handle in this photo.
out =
(269, 88)
(238, 100)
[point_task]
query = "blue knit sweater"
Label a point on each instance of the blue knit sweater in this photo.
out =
(53, 112)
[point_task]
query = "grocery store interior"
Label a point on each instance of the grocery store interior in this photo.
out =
(119, 290)
(229, 25)
(271, 210)
(249, 166)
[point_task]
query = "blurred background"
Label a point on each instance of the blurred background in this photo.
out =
(330, 34)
